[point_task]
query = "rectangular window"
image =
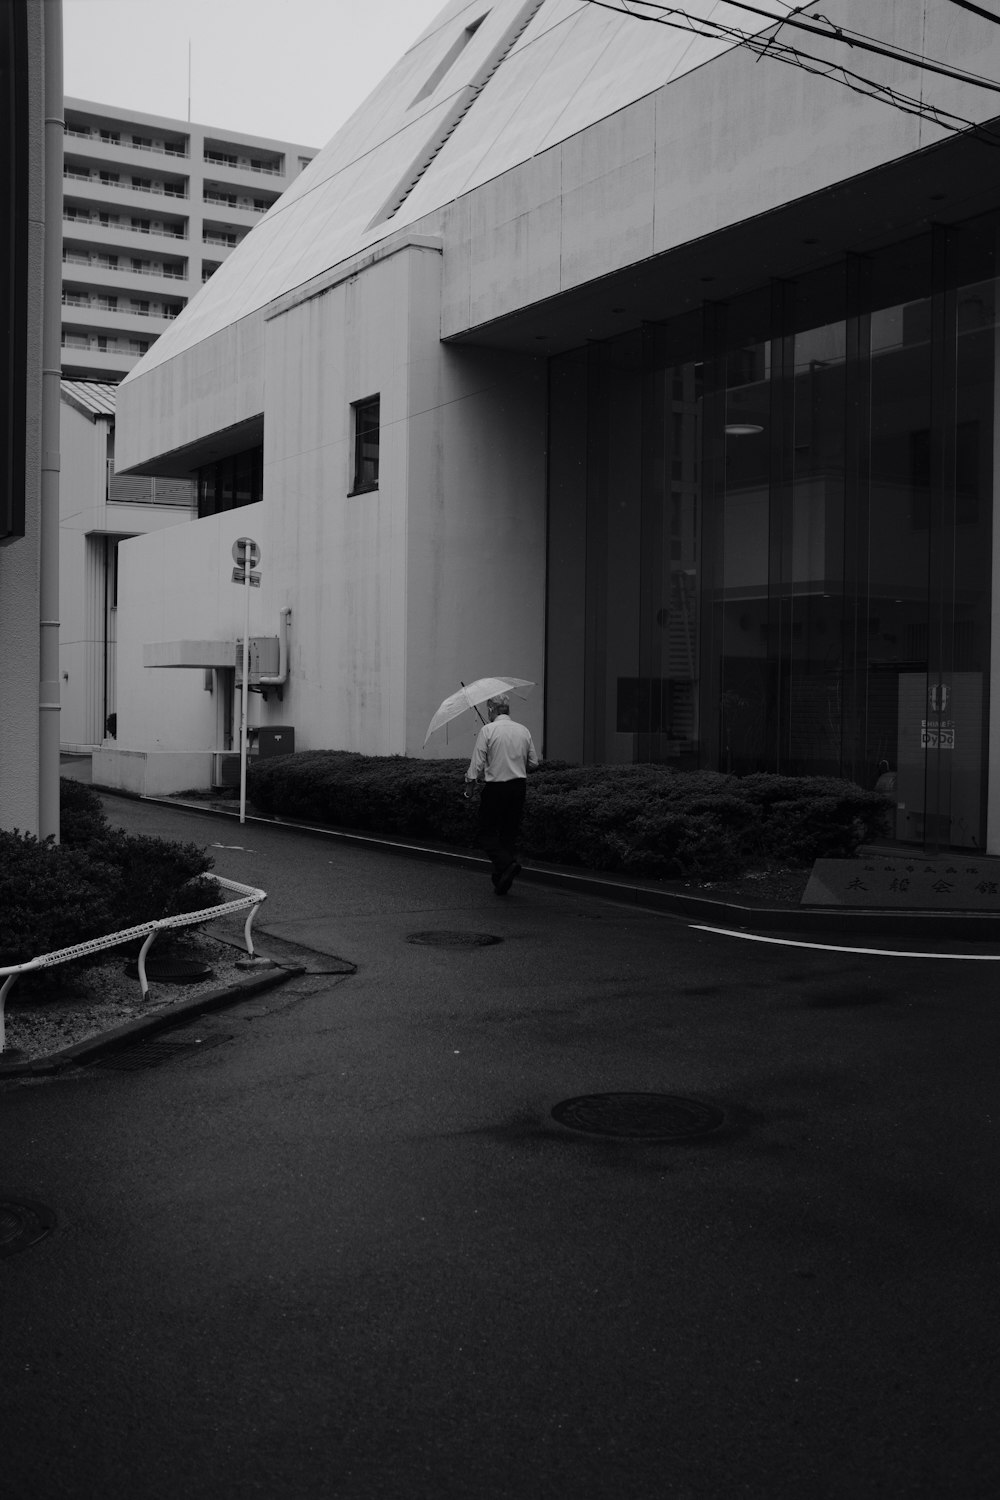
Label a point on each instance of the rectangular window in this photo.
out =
(366, 444)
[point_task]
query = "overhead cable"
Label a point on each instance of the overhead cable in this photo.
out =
(829, 31)
(769, 45)
(977, 10)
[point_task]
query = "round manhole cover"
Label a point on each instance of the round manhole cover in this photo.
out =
(638, 1117)
(443, 938)
(173, 970)
(22, 1224)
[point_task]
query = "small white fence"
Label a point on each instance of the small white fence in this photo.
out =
(248, 898)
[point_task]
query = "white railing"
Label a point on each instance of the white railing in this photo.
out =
(118, 223)
(249, 896)
(240, 164)
(82, 134)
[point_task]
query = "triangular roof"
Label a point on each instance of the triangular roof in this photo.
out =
(488, 85)
(94, 398)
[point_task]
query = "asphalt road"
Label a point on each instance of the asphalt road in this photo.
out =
(348, 1253)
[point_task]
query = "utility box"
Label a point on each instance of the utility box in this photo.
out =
(225, 769)
(275, 739)
(265, 656)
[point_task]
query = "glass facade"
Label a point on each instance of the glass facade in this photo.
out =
(231, 482)
(770, 533)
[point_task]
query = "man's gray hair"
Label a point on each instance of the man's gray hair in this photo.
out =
(500, 704)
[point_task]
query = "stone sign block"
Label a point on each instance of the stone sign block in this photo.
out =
(946, 883)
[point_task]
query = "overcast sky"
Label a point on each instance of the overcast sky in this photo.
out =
(291, 69)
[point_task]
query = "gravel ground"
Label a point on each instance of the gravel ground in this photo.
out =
(88, 1001)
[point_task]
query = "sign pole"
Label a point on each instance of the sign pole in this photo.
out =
(246, 556)
(246, 683)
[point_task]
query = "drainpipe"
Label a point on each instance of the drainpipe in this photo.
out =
(48, 592)
(284, 615)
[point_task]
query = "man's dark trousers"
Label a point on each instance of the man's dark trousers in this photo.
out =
(501, 804)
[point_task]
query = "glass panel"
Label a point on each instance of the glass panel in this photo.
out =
(244, 477)
(366, 444)
(621, 395)
(664, 700)
(813, 634)
(227, 483)
(207, 499)
(963, 721)
(898, 554)
(746, 707)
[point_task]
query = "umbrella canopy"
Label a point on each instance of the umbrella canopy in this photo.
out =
(469, 694)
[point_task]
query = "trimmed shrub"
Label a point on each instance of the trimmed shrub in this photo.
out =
(98, 880)
(50, 896)
(646, 820)
(81, 814)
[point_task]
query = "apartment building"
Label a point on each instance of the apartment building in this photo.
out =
(151, 208)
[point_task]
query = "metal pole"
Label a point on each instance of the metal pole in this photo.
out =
(48, 698)
(246, 681)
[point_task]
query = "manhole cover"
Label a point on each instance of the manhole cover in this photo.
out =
(23, 1224)
(442, 938)
(172, 970)
(151, 1053)
(638, 1117)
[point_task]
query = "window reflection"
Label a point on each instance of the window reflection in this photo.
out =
(771, 538)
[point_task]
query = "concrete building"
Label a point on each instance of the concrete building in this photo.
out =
(151, 208)
(658, 366)
(99, 508)
(30, 188)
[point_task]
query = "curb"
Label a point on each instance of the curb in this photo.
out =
(78, 1054)
(857, 922)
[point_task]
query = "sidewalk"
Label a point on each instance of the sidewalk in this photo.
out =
(861, 924)
(857, 922)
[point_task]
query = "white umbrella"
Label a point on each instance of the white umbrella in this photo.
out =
(469, 694)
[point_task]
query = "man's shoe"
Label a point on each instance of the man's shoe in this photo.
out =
(506, 880)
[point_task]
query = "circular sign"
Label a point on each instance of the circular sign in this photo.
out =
(241, 545)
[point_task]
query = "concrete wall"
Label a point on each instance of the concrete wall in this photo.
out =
(87, 518)
(214, 386)
(716, 147)
(175, 584)
(397, 594)
(476, 539)
(83, 447)
(19, 559)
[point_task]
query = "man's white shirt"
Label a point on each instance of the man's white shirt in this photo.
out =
(504, 752)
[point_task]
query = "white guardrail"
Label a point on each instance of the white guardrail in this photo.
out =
(249, 897)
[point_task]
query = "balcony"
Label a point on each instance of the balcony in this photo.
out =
(82, 363)
(178, 151)
(92, 188)
(226, 240)
(95, 270)
(115, 323)
(109, 235)
(231, 162)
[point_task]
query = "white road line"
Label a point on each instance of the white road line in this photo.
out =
(753, 937)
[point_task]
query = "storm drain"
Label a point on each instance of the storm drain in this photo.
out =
(150, 1054)
(23, 1224)
(169, 970)
(444, 938)
(639, 1117)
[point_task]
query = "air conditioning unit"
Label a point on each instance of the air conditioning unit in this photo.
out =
(265, 658)
(225, 769)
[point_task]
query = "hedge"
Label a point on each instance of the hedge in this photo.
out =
(98, 880)
(644, 820)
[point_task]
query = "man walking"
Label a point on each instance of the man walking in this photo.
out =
(503, 756)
